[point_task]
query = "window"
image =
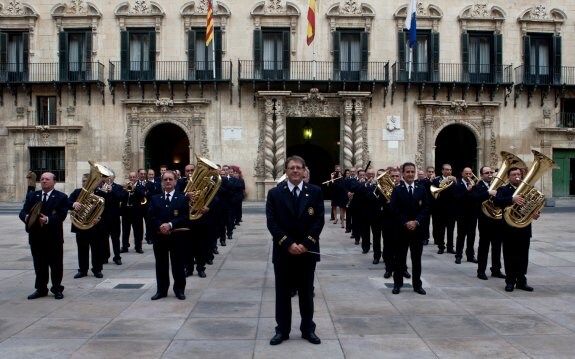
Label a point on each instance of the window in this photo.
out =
(46, 114)
(542, 58)
(350, 55)
(75, 55)
(425, 57)
(48, 159)
(271, 54)
(566, 117)
(138, 54)
(482, 56)
(13, 56)
(201, 57)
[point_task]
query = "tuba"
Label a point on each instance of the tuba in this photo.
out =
(509, 160)
(92, 205)
(384, 185)
(521, 216)
(443, 185)
(204, 182)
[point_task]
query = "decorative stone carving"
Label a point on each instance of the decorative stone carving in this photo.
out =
(458, 106)
(348, 134)
(274, 6)
(479, 10)
(164, 104)
(350, 7)
(419, 156)
(14, 8)
(539, 12)
(141, 7)
(76, 7)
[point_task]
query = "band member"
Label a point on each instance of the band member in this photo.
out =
(444, 211)
(377, 205)
(426, 182)
(167, 213)
(466, 217)
(295, 219)
(516, 241)
(112, 194)
(46, 235)
(358, 206)
(131, 213)
(334, 193)
(390, 231)
(348, 183)
(340, 197)
(87, 240)
(409, 202)
(490, 230)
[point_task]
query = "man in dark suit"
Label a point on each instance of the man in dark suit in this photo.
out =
(295, 219)
(444, 211)
(132, 217)
(46, 235)
(409, 202)
(466, 217)
(112, 194)
(168, 216)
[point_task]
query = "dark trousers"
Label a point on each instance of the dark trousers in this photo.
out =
(89, 241)
(361, 230)
(388, 253)
(349, 219)
(112, 230)
(196, 248)
(294, 274)
(166, 249)
(230, 224)
(489, 234)
(132, 219)
(48, 263)
(443, 222)
(516, 257)
(411, 240)
(466, 226)
(375, 225)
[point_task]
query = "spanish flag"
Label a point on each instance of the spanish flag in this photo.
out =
(310, 22)
(210, 24)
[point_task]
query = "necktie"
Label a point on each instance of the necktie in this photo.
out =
(167, 199)
(410, 190)
(45, 198)
(295, 197)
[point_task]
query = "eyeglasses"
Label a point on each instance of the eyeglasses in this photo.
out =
(292, 168)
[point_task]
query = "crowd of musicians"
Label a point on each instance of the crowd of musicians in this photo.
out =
(145, 208)
(394, 225)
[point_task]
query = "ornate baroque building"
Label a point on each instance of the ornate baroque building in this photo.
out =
(132, 84)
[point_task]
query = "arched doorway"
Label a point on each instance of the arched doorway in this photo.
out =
(320, 151)
(457, 146)
(166, 144)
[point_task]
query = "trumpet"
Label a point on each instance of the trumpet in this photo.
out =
(332, 180)
(473, 179)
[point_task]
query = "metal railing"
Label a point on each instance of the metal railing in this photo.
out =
(545, 75)
(170, 71)
(52, 72)
(36, 118)
(453, 73)
(249, 70)
(566, 120)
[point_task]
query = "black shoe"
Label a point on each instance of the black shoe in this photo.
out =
(215, 251)
(457, 260)
(180, 296)
(406, 274)
(139, 250)
(365, 251)
(118, 261)
(201, 274)
(395, 290)
(209, 262)
(158, 295)
(525, 287)
(222, 243)
(293, 293)
(451, 251)
(387, 274)
(278, 339)
(375, 261)
(80, 275)
(357, 243)
(509, 288)
(420, 291)
(148, 241)
(105, 261)
(229, 236)
(189, 273)
(124, 250)
(425, 242)
(440, 251)
(498, 275)
(348, 231)
(58, 295)
(312, 338)
(98, 275)
(37, 294)
(472, 259)
(482, 276)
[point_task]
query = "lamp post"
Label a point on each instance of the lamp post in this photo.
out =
(307, 131)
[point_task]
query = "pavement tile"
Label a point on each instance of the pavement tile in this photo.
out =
(220, 328)
(18, 348)
(122, 348)
(210, 349)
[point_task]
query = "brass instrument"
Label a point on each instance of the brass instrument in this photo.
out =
(385, 185)
(509, 160)
(443, 185)
(473, 179)
(282, 178)
(129, 187)
(145, 199)
(204, 182)
(92, 205)
(521, 216)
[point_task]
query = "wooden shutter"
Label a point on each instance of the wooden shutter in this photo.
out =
(435, 56)
(526, 58)
(63, 55)
(26, 54)
(124, 55)
(218, 50)
(364, 46)
(497, 48)
(556, 59)
(401, 56)
(258, 54)
(152, 55)
(336, 55)
(465, 57)
(286, 54)
(192, 54)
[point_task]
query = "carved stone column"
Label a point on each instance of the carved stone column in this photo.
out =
(428, 123)
(348, 158)
(280, 148)
(487, 124)
(359, 151)
(269, 139)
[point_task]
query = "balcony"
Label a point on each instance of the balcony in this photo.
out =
(544, 78)
(566, 120)
(304, 75)
(14, 75)
(168, 73)
(452, 76)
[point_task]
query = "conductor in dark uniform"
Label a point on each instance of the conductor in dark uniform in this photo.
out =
(409, 202)
(168, 212)
(46, 235)
(295, 219)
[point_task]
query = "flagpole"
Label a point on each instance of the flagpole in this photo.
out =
(314, 68)
(214, 6)
(410, 62)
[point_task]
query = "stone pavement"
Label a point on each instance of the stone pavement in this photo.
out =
(230, 314)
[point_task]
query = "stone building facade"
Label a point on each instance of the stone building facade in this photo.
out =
(131, 84)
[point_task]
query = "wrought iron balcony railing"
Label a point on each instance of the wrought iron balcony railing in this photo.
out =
(545, 75)
(249, 70)
(52, 72)
(452, 73)
(49, 118)
(179, 71)
(566, 120)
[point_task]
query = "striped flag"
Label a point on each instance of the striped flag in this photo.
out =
(410, 23)
(311, 22)
(209, 24)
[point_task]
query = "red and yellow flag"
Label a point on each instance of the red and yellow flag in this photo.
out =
(311, 22)
(209, 24)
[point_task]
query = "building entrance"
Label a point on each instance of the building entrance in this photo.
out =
(166, 144)
(457, 146)
(564, 176)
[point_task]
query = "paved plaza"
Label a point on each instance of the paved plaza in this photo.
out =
(230, 314)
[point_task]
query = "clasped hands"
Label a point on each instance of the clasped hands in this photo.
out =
(297, 249)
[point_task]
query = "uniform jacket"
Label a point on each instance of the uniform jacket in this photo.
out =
(56, 208)
(408, 209)
(176, 212)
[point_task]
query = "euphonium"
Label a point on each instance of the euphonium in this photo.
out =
(509, 160)
(443, 185)
(204, 182)
(521, 216)
(384, 185)
(92, 205)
